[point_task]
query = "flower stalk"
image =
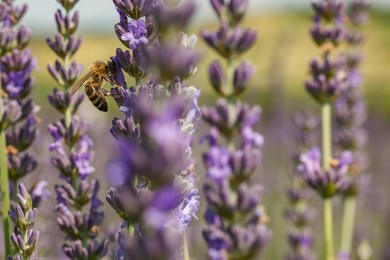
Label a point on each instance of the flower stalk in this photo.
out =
(5, 192)
(326, 120)
(328, 229)
(348, 222)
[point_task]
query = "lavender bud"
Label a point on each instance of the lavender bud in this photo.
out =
(18, 12)
(11, 115)
(242, 75)
(135, 65)
(19, 166)
(218, 6)
(127, 7)
(237, 10)
(23, 37)
(217, 77)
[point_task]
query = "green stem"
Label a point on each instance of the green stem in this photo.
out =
(186, 252)
(5, 188)
(326, 158)
(326, 135)
(130, 230)
(137, 82)
(229, 79)
(68, 116)
(328, 229)
(348, 224)
(230, 97)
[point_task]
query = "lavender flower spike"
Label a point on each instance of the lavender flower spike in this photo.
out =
(235, 217)
(23, 215)
(78, 206)
(18, 119)
(154, 189)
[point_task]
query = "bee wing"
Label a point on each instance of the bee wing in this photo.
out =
(80, 82)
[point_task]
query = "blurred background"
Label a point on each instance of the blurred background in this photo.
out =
(281, 56)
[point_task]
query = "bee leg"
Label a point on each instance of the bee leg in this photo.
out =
(105, 92)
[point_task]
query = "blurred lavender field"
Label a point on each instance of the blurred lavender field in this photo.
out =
(281, 55)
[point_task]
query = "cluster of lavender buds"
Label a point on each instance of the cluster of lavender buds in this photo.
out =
(328, 80)
(327, 183)
(328, 31)
(24, 237)
(156, 173)
(78, 205)
(236, 219)
(350, 108)
(18, 120)
(300, 214)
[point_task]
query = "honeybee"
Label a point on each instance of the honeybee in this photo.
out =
(93, 80)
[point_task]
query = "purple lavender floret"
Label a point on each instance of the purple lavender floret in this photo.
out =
(136, 35)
